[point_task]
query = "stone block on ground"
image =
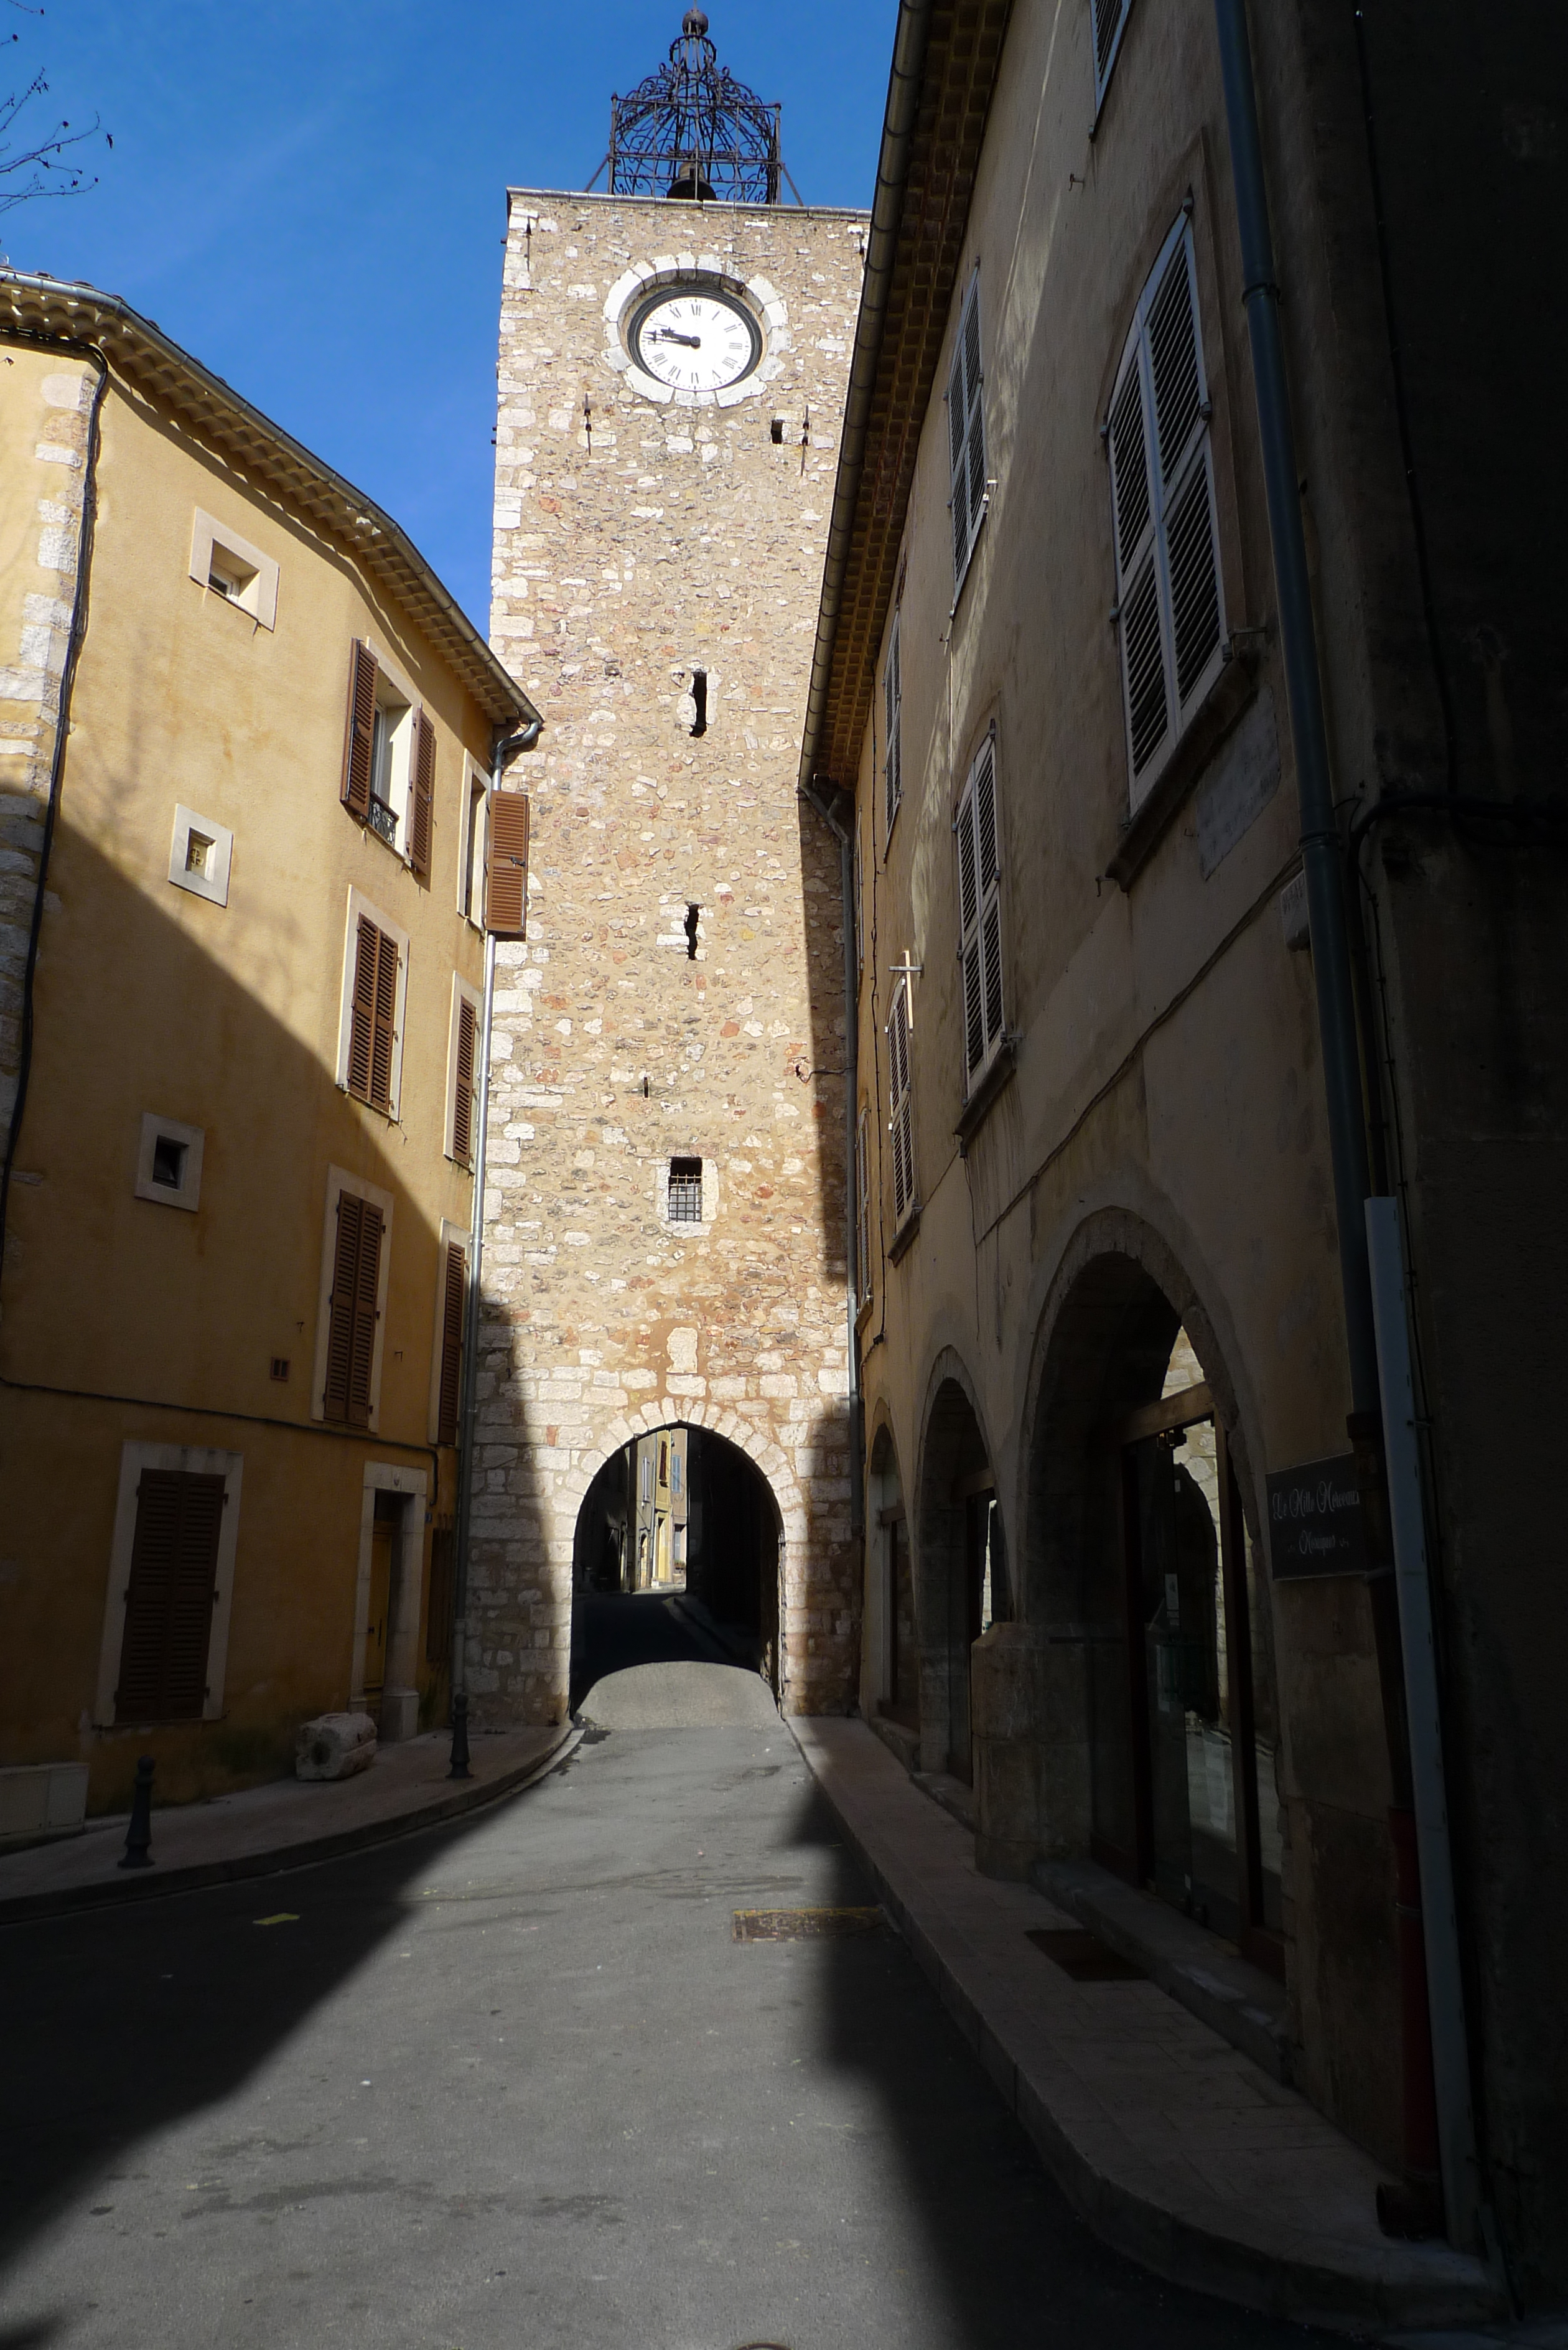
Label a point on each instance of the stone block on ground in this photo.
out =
(334, 1746)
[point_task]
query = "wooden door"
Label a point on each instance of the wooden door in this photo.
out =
(375, 1674)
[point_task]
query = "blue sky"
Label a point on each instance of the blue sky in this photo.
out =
(308, 195)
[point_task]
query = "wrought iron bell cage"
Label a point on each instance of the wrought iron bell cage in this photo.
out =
(691, 130)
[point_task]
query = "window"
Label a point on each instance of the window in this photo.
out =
(171, 1564)
(980, 913)
(966, 436)
(169, 1162)
(471, 876)
(1107, 19)
(863, 1207)
(230, 566)
(200, 855)
(893, 710)
(901, 1092)
(1169, 612)
(858, 885)
(374, 986)
(353, 1303)
(463, 1073)
(685, 1191)
(506, 874)
(452, 1307)
(388, 760)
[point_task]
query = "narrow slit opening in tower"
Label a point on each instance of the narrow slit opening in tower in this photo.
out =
(693, 917)
(700, 701)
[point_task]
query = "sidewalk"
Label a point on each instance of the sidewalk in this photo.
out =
(1176, 2148)
(282, 1826)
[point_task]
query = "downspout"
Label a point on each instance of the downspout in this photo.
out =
(58, 758)
(851, 1204)
(1323, 858)
(505, 746)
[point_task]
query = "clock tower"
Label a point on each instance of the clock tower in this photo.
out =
(664, 1290)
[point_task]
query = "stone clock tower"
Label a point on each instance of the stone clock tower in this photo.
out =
(664, 1241)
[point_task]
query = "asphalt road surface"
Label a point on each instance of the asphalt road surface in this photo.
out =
(516, 2084)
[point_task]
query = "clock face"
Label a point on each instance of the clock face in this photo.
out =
(695, 338)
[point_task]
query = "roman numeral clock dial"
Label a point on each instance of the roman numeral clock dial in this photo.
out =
(695, 338)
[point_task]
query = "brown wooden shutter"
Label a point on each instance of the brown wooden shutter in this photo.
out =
(506, 877)
(385, 1036)
(462, 1092)
(362, 1009)
(421, 796)
(438, 1612)
(360, 730)
(351, 1322)
(170, 1599)
(451, 1345)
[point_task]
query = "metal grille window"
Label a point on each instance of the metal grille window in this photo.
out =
(966, 436)
(900, 1095)
(892, 710)
(684, 1195)
(980, 913)
(1109, 19)
(1170, 607)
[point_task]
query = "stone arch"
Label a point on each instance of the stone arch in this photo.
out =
(889, 1654)
(767, 1457)
(954, 1446)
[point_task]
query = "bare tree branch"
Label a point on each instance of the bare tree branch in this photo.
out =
(48, 167)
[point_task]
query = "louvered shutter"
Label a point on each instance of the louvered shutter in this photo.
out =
(980, 911)
(362, 1008)
(1169, 612)
(893, 707)
(360, 729)
(1106, 18)
(422, 793)
(383, 1049)
(966, 435)
(351, 1312)
(506, 877)
(452, 1343)
(862, 1200)
(463, 1091)
(170, 1598)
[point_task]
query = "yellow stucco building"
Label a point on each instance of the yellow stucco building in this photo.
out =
(247, 740)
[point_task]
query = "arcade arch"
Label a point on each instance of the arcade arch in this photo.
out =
(962, 1583)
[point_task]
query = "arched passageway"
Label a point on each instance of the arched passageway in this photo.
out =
(676, 1555)
(890, 1656)
(1141, 1565)
(962, 1580)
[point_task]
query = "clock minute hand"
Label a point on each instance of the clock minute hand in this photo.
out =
(668, 335)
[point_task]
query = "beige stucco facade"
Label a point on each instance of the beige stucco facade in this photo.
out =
(200, 992)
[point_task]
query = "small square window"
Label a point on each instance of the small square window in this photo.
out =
(685, 1194)
(169, 1162)
(230, 566)
(200, 854)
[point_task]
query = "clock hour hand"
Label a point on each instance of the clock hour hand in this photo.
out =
(668, 335)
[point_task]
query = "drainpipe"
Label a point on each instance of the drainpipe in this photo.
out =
(1412, 1771)
(506, 747)
(851, 1089)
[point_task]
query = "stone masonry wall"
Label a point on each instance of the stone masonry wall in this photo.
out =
(635, 542)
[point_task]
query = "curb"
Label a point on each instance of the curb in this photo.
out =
(22, 1908)
(1301, 2291)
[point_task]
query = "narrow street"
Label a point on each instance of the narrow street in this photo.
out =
(518, 2083)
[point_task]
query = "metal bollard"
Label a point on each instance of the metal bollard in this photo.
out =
(139, 1835)
(460, 1769)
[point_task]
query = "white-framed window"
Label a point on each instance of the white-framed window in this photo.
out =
(863, 1206)
(169, 1162)
(1107, 22)
(200, 854)
(902, 1102)
(452, 1299)
(375, 998)
(463, 1064)
(232, 568)
(893, 723)
(351, 1302)
(470, 861)
(171, 1583)
(388, 757)
(1170, 614)
(966, 435)
(979, 912)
